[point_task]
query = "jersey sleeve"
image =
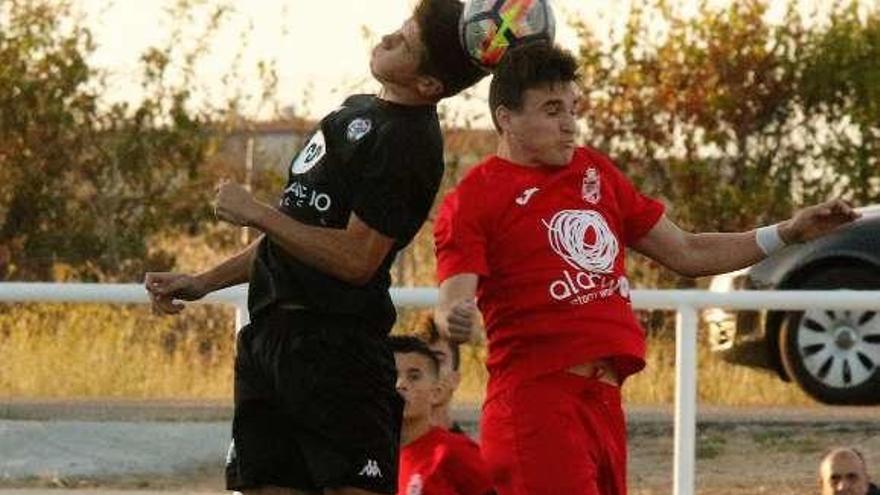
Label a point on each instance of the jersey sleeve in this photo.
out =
(468, 471)
(459, 237)
(640, 212)
(400, 177)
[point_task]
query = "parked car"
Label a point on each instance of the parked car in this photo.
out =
(833, 355)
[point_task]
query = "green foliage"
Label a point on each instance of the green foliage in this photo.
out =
(84, 184)
(733, 120)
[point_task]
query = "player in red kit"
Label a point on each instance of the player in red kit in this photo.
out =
(433, 460)
(537, 234)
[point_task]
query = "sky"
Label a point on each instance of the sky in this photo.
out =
(320, 47)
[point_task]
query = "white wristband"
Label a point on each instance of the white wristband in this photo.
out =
(768, 239)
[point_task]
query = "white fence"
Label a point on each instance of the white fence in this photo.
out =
(686, 303)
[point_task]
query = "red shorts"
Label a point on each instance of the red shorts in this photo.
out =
(559, 433)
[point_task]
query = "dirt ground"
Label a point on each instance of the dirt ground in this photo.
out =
(739, 452)
(746, 459)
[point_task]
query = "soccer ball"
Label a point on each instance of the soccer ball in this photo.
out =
(488, 28)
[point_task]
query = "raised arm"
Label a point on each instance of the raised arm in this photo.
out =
(165, 288)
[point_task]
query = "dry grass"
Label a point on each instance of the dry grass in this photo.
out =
(719, 383)
(64, 350)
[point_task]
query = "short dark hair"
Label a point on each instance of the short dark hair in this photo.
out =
(407, 344)
(444, 58)
(427, 331)
(529, 66)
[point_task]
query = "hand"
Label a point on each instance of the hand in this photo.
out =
(459, 321)
(817, 220)
(165, 287)
(236, 205)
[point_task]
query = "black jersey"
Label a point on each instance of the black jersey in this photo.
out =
(377, 159)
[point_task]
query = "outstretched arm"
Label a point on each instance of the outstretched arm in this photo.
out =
(352, 254)
(165, 287)
(696, 255)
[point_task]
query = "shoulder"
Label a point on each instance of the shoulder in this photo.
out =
(607, 168)
(457, 442)
(587, 156)
(482, 177)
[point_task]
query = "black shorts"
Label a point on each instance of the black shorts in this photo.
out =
(315, 405)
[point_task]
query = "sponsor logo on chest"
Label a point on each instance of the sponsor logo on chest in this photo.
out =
(589, 246)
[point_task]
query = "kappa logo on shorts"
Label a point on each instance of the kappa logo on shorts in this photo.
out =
(371, 470)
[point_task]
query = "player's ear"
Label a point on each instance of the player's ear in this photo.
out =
(429, 87)
(503, 116)
(438, 390)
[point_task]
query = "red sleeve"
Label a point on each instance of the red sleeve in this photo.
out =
(467, 470)
(640, 213)
(459, 238)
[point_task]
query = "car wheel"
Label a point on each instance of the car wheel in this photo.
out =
(834, 355)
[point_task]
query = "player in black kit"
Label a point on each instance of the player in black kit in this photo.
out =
(316, 409)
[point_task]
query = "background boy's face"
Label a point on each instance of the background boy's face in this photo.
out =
(843, 474)
(449, 377)
(397, 57)
(417, 383)
(546, 126)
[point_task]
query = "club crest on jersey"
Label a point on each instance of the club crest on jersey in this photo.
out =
(591, 188)
(310, 155)
(358, 128)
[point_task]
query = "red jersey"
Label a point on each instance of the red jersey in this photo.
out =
(442, 463)
(548, 245)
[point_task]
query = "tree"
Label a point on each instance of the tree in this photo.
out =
(84, 184)
(730, 118)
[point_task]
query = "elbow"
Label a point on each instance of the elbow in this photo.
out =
(688, 271)
(685, 266)
(359, 274)
(693, 271)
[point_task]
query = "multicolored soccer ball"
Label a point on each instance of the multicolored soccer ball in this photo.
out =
(488, 28)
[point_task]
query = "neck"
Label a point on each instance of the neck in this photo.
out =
(413, 429)
(403, 96)
(513, 153)
(440, 417)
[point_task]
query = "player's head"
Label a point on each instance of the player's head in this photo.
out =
(418, 376)
(534, 98)
(843, 471)
(425, 56)
(447, 354)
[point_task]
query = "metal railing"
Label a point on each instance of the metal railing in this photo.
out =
(686, 304)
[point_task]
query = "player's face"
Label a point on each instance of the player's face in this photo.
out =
(397, 56)
(545, 128)
(449, 378)
(417, 384)
(844, 474)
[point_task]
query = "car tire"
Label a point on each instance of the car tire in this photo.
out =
(834, 355)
